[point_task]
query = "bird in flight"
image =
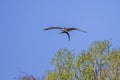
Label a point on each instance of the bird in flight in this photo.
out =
(65, 30)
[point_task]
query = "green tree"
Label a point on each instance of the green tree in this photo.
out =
(99, 62)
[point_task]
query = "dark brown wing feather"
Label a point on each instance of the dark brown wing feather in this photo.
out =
(70, 29)
(52, 28)
(68, 35)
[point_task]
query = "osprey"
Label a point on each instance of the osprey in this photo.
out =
(65, 30)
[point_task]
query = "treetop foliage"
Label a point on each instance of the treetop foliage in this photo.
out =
(99, 62)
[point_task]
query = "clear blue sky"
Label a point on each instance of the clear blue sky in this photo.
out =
(24, 46)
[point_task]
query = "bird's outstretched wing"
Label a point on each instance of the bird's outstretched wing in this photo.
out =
(70, 29)
(52, 28)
